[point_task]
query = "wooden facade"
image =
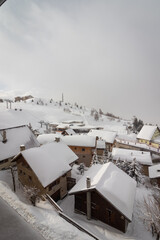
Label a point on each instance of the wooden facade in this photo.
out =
(101, 209)
(84, 154)
(57, 189)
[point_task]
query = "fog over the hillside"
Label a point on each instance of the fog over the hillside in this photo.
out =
(103, 54)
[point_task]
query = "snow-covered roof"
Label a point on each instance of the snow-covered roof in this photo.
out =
(50, 161)
(63, 126)
(70, 131)
(16, 136)
(107, 136)
(47, 138)
(114, 184)
(80, 140)
(101, 144)
(154, 171)
(147, 132)
(130, 155)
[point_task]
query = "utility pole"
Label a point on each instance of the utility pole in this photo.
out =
(62, 98)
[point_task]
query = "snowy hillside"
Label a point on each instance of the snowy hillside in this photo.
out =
(35, 110)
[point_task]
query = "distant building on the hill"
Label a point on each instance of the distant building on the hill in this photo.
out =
(10, 141)
(107, 194)
(47, 168)
(18, 98)
(154, 174)
(149, 135)
(83, 146)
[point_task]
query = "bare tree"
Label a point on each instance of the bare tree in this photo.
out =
(149, 211)
(31, 193)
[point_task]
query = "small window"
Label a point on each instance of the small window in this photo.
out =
(75, 148)
(30, 178)
(83, 149)
(84, 156)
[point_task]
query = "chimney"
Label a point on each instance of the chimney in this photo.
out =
(4, 136)
(57, 139)
(22, 148)
(88, 182)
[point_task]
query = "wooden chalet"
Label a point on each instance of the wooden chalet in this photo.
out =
(149, 135)
(107, 194)
(47, 168)
(11, 139)
(154, 174)
(83, 146)
(143, 158)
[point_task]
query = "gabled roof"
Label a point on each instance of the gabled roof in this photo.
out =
(113, 184)
(130, 155)
(107, 136)
(16, 136)
(80, 140)
(147, 132)
(154, 171)
(50, 161)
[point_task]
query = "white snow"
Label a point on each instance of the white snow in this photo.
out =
(17, 136)
(101, 144)
(115, 185)
(107, 136)
(48, 138)
(130, 155)
(147, 132)
(50, 161)
(154, 171)
(80, 140)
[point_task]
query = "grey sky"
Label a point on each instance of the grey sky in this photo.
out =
(102, 54)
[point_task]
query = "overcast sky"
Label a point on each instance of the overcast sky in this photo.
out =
(99, 53)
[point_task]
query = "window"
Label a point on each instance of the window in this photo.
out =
(30, 178)
(83, 149)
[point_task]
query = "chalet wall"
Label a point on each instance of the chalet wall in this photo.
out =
(27, 177)
(102, 210)
(84, 154)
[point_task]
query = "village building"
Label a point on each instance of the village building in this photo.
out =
(100, 147)
(154, 174)
(107, 136)
(143, 158)
(47, 168)
(11, 139)
(149, 135)
(62, 127)
(52, 126)
(107, 194)
(68, 131)
(83, 146)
